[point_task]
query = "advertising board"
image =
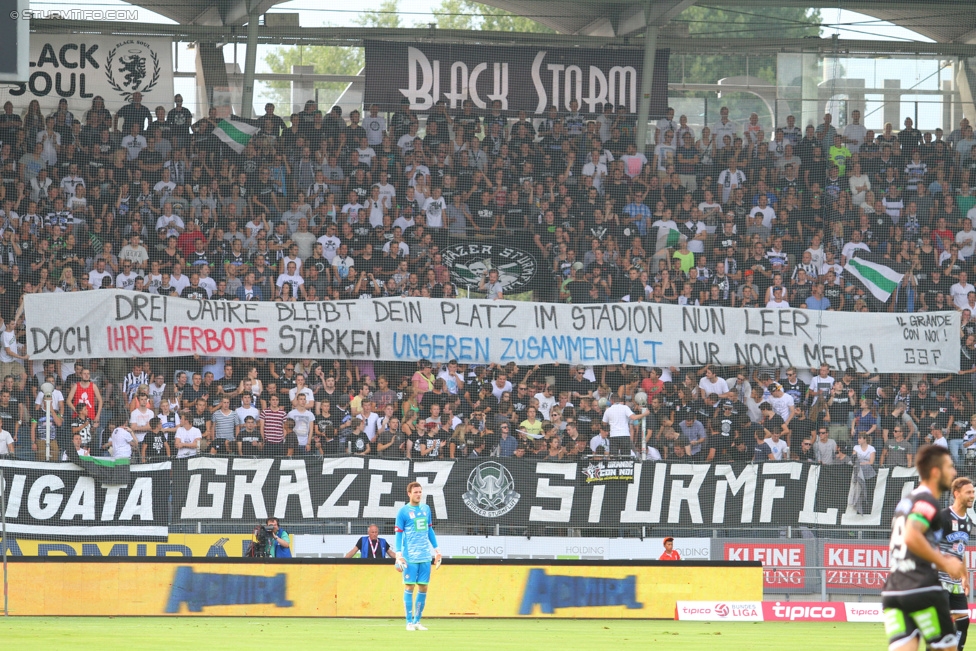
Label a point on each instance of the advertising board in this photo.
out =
(317, 588)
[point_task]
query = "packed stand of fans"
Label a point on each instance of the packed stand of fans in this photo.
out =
(325, 208)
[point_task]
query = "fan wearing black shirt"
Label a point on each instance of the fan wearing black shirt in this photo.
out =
(170, 255)
(326, 442)
(600, 229)
(483, 210)
(545, 234)
(515, 216)
(193, 391)
(635, 287)
(133, 113)
(10, 416)
(229, 385)
(194, 290)
(833, 291)
(249, 441)
(286, 381)
(10, 122)
(794, 386)
(179, 120)
(842, 401)
(201, 418)
(922, 400)
(801, 428)
(156, 442)
(354, 132)
(725, 431)
(317, 260)
(932, 285)
(262, 194)
(82, 425)
(359, 181)
(199, 255)
(725, 240)
(322, 421)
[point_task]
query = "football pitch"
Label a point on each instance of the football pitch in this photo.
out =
(233, 634)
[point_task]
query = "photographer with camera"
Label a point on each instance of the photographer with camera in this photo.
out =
(277, 541)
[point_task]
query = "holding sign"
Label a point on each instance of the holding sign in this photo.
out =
(117, 323)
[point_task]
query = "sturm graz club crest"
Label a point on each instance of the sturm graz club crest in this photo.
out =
(468, 263)
(491, 490)
(132, 67)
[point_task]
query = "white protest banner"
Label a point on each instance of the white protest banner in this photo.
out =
(78, 67)
(117, 323)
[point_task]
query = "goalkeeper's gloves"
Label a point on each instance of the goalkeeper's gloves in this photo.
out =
(437, 559)
(401, 564)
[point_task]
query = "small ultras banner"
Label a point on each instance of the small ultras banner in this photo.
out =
(350, 589)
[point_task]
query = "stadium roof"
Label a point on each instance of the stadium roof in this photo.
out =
(945, 21)
(206, 12)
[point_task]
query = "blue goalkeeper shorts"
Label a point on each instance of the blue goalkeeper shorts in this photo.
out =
(417, 573)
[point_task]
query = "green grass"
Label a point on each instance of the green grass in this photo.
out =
(234, 634)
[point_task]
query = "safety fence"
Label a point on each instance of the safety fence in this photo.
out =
(488, 496)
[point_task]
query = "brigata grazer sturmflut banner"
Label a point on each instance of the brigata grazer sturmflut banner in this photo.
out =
(516, 492)
(522, 78)
(61, 501)
(54, 501)
(117, 323)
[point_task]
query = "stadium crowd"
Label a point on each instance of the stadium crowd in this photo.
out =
(324, 207)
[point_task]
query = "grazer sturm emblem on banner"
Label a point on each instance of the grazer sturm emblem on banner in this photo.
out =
(469, 262)
(491, 490)
(127, 66)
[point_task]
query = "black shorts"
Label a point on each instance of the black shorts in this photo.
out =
(222, 446)
(922, 614)
(958, 603)
(620, 445)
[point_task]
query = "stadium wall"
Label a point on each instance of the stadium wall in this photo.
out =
(322, 588)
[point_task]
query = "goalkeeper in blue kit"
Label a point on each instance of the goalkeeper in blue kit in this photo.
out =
(415, 546)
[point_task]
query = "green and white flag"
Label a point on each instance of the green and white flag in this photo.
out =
(668, 238)
(106, 470)
(879, 279)
(235, 134)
